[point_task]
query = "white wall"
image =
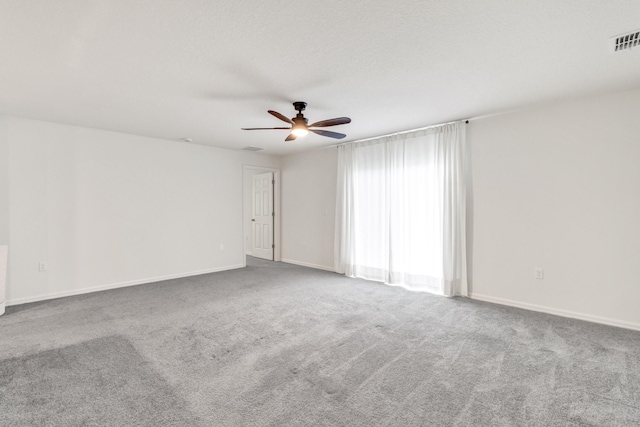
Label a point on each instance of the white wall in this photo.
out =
(558, 187)
(4, 185)
(4, 210)
(247, 203)
(106, 209)
(308, 207)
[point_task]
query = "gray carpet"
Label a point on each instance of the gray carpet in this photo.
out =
(281, 345)
(102, 381)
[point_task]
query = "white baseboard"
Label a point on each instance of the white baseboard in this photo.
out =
(80, 291)
(558, 312)
(308, 264)
(2, 308)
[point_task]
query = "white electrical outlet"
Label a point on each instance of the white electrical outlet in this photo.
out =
(539, 273)
(42, 266)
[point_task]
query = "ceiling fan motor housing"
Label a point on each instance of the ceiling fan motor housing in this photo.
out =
(299, 119)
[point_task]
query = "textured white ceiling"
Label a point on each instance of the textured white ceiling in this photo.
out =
(204, 69)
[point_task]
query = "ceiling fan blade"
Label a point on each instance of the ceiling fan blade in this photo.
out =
(280, 116)
(332, 122)
(262, 128)
(291, 137)
(330, 134)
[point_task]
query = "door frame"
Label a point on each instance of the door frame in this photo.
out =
(277, 241)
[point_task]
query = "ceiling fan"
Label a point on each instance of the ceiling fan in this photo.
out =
(299, 126)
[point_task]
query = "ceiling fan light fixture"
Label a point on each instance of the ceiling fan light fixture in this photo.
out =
(299, 131)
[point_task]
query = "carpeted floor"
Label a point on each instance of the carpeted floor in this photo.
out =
(280, 345)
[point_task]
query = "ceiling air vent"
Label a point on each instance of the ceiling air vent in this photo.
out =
(625, 41)
(250, 148)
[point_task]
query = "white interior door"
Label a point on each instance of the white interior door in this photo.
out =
(262, 218)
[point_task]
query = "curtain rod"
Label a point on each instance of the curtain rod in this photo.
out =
(394, 134)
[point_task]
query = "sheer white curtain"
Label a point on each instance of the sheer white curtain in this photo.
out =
(400, 211)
